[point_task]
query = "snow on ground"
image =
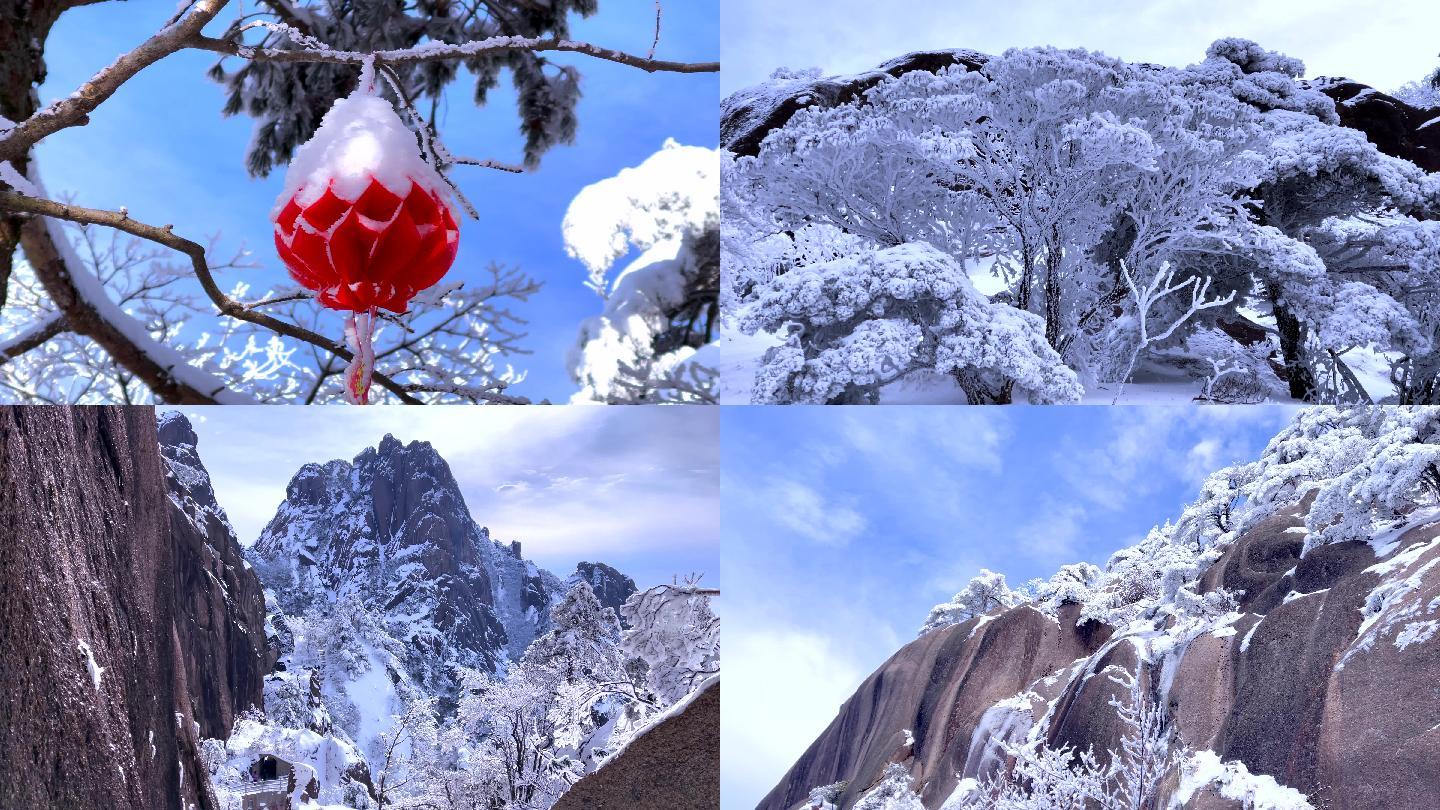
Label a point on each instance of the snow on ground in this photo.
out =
(739, 358)
(373, 694)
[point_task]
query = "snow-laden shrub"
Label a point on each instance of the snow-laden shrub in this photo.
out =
(825, 797)
(870, 319)
(894, 791)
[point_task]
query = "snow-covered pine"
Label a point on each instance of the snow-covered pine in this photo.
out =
(546, 93)
(985, 593)
(871, 318)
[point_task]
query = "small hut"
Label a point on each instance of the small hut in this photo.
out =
(272, 780)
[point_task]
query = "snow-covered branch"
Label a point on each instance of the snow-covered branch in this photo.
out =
(75, 108)
(441, 51)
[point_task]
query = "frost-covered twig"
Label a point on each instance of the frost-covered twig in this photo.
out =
(489, 164)
(655, 43)
(476, 394)
(1145, 296)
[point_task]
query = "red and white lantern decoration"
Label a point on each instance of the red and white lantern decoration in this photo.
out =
(364, 222)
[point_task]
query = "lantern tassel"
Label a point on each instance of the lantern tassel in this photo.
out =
(359, 333)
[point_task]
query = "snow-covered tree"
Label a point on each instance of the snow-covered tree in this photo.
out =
(662, 309)
(404, 753)
(675, 633)
(985, 593)
(894, 791)
(77, 331)
(1214, 219)
(825, 797)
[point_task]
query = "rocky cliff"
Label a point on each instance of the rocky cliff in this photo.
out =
(1274, 643)
(94, 710)
(220, 604)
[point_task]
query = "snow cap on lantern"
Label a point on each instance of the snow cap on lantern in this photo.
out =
(364, 221)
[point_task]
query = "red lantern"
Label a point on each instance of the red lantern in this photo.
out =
(364, 222)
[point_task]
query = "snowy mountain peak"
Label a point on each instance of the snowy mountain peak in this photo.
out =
(391, 529)
(189, 483)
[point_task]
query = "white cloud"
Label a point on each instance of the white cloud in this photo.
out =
(1144, 447)
(783, 686)
(936, 438)
(1053, 537)
(806, 512)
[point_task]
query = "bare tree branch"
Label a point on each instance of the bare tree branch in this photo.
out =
(13, 201)
(74, 109)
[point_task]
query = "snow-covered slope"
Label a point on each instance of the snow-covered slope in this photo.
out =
(1281, 633)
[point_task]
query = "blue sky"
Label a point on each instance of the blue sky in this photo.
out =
(1382, 44)
(160, 147)
(637, 488)
(843, 526)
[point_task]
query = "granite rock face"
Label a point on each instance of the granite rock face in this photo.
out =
(220, 603)
(1328, 682)
(938, 687)
(1396, 128)
(748, 115)
(673, 764)
(95, 707)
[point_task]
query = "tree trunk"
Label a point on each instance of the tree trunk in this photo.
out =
(24, 26)
(1054, 255)
(1292, 344)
